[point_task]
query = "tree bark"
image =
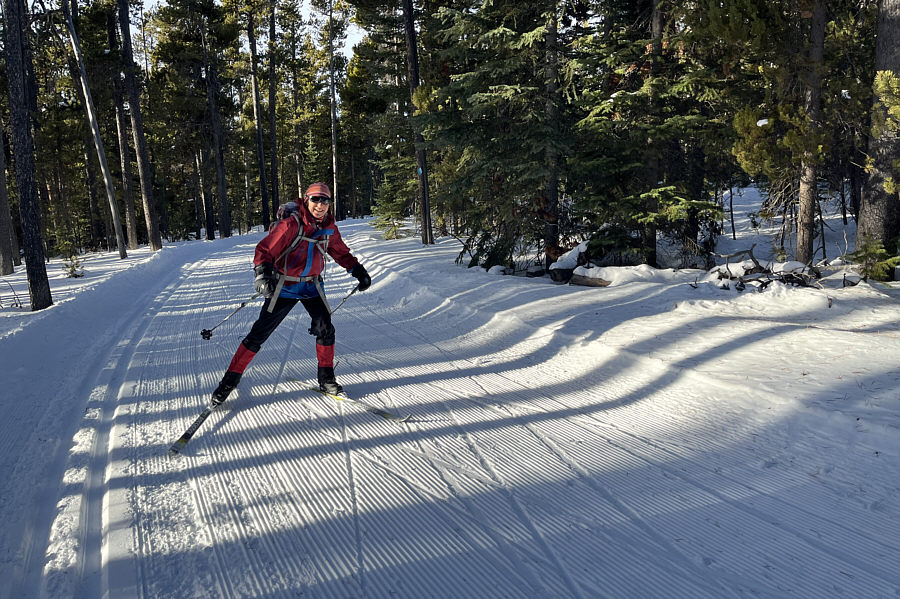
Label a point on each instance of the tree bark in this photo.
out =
(247, 196)
(16, 23)
(551, 153)
(295, 104)
(412, 64)
(124, 151)
(808, 193)
(649, 232)
(98, 221)
(257, 118)
(98, 228)
(879, 213)
(7, 250)
(137, 129)
(95, 128)
(209, 216)
(273, 137)
(215, 122)
(334, 160)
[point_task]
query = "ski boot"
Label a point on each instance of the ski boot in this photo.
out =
(327, 384)
(229, 382)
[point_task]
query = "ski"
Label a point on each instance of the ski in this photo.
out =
(367, 407)
(182, 441)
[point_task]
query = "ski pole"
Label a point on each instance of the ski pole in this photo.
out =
(207, 333)
(355, 289)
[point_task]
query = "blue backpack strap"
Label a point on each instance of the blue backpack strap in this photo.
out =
(319, 240)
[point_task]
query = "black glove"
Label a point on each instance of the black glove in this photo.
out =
(266, 279)
(362, 276)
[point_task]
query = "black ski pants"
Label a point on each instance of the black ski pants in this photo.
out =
(265, 325)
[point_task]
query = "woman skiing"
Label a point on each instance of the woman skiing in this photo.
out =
(289, 263)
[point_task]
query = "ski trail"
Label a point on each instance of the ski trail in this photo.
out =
(236, 509)
(153, 526)
(550, 556)
(686, 572)
(659, 456)
(525, 471)
(220, 500)
(354, 503)
(659, 461)
(301, 321)
(469, 512)
(73, 538)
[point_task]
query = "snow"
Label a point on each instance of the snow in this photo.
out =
(659, 437)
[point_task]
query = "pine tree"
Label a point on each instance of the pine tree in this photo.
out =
(137, 128)
(377, 106)
(492, 112)
(7, 250)
(122, 137)
(20, 72)
(648, 133)
(91, 114)
(781, 135)
(808, 194)
(193, 37)
(257, 112)
(880, 210)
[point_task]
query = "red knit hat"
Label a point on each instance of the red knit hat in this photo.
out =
(317, 189)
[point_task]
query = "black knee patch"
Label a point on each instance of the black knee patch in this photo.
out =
(323, 332)
(254, 347)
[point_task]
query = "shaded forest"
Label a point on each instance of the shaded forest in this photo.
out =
(521, 129)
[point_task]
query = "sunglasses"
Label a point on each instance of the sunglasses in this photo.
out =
(320, 200)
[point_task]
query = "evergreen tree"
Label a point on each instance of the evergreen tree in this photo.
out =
(122, 137)
(257, 112)
(779, 130)
(880, 209)
(7, 250)
(377, 106)
(15, 18)
(137, 127)
(648, 135)
(192, 36)
(492, 114)
(93, 121)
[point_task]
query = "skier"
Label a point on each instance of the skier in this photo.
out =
(289, 263)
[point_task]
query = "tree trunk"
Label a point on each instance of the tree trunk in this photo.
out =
(137, 130)
(209, 217)
(98, 228)
(257, 118)
(212, 92)
(879, 213)
(16, 23)
(273, 137)
(98, 224)
(808, 193)
(95, 128)
(247, 196)
(551, 154)
(649, 232)
(124, 151)
(295, 104)
(98, 221)
(334, 161)
(7, 250)
(412, 64)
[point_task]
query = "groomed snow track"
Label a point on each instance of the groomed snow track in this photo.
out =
(546, 456)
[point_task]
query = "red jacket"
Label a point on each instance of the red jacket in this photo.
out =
(307, 259)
